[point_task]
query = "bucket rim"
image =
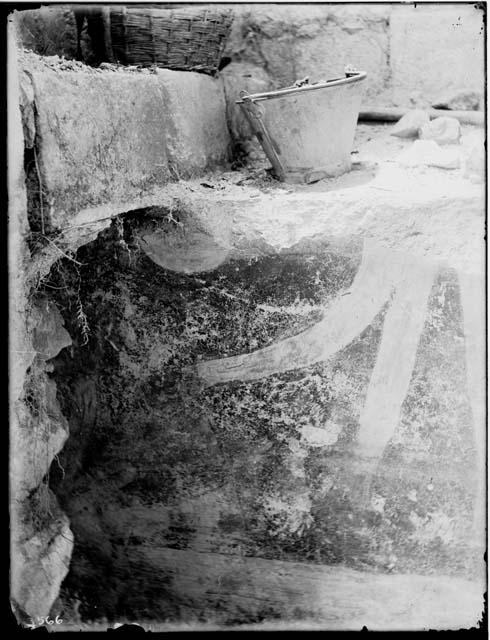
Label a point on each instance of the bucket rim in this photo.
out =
(268, 95)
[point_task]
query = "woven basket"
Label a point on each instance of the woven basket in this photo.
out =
(190, 39)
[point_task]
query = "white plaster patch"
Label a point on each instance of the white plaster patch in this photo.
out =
(325, 437)
(378, 503)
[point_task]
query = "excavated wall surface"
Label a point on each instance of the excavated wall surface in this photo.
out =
(184, 451)
(251, 403)
(84, 145)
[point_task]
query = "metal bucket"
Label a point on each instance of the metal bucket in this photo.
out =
(307, 131)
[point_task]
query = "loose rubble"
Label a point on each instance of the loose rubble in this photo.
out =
(441, 130)
(461, 101)
(408, 126)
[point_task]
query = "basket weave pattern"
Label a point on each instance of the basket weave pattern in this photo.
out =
(185, 39)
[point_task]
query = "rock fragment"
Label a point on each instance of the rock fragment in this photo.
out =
(50, 335)
(460, 101)
(443, 130)
(408, 126)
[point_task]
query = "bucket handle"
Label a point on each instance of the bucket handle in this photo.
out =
(256, 113)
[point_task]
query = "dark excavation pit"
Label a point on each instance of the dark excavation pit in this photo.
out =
(149, 441)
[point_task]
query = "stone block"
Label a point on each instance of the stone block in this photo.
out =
(193, 115)
(351, 35)
(441, 130)
(113, 136)
(408, 126)
(291, 42)
(42, 563)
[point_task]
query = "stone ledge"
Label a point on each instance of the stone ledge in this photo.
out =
(103, 136)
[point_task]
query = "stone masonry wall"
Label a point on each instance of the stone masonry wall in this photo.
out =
(412, 53)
